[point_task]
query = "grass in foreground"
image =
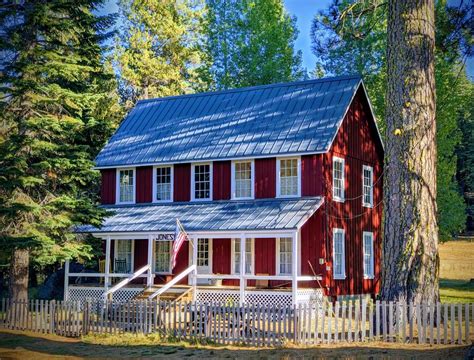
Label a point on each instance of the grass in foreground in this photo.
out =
(21, 345)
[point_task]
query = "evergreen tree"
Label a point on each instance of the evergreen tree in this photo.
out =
(250, 43)
(58, 108)
(351, 37)
(158, 50)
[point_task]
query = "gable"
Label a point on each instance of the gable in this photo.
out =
(282, 119)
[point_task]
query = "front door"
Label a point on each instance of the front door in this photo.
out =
(204, 259)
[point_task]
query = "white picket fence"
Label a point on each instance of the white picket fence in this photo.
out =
(256, 325)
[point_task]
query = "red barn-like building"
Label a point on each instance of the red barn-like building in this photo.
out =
(292, 173)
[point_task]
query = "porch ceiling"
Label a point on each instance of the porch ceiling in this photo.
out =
(251, 215)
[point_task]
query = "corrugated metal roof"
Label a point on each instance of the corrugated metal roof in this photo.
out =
(288, 118)
(251, 215)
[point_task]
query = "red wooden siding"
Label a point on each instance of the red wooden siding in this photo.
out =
(265, 257)
(144, 184)
(221, 259)
(265, 178)
(357, 143)
(107, 186)
(140, 257)
(312, 175)
(221, 180)
(182, 182)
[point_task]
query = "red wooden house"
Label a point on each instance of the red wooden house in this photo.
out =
(289, 172)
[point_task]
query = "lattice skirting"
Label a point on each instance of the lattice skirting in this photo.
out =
(308, 296)
(80, 293)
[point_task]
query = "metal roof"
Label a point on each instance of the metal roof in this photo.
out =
(251, 215)
(289, 118)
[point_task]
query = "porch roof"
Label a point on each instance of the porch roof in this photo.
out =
(249, 215)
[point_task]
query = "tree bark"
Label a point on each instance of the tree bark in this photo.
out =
(19, 274)
(410, 249)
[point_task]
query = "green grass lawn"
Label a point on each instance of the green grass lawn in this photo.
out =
(456, 291)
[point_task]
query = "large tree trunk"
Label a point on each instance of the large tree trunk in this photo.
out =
(410, 258)
(19, 274)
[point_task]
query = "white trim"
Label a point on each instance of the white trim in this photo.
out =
(277, 254)
(343, 181)
(117, 185)
(232, 255)
(343, 275)
(132, 253)
(278, 180)
(202, 234)
(155, 187)
(252, 180)
(371, 234)
(371, 169)
(193, 165)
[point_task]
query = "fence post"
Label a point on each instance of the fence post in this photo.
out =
(85, 318)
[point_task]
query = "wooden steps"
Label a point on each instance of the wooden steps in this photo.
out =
(176, 293)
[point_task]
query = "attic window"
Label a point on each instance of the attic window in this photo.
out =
(202, 182)
(288, 177)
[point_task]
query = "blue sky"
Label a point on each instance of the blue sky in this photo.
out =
(304, 10)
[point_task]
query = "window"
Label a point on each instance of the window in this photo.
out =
(285, 256)
(242, 180)
(339, 256)
(338, 179)
(367, 186)
(368, 255)
(248, 256)
(203, 252)
(163, 256)
(126, 186)
(202, 180)
(288, 182)
(123, 256)
(163, 183)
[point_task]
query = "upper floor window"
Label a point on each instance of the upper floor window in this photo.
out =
(368, 255)
(242, 180)
(288, 178)
(163, 184)
(126, 186)
(285, 256)
(201, 182)
(367, 186)
(248, 256)
(339, 254)
(338, 179)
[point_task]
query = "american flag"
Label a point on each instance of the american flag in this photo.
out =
(179, 238)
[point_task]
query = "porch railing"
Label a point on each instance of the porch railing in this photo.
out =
(109, 293)
(173, 282)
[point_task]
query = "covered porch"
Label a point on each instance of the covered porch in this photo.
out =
(211, 266)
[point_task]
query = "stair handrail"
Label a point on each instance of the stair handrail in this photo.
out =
(125, 281)
(173, 282)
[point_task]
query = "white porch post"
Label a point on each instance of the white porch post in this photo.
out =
(66, 280)
(107, 262)
(242, 281)
(294, 264)
(149, 278)
(195, 254)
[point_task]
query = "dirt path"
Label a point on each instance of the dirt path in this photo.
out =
(16, 345)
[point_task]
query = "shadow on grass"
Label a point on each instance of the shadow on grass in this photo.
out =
(19, 346)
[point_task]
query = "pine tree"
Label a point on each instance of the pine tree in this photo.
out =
(351, 37)
(158, 51)
(251, 43)
(58, 107)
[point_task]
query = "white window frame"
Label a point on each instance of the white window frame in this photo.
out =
(155, 188)
(278, 272)
(170, 271)
(252, 179)
(117, 185)
(132, 252)
(368, 275)
(343, 180)
(232, 252)
(371, 169)
(193, 166)
(343, 267)
(278, 180)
